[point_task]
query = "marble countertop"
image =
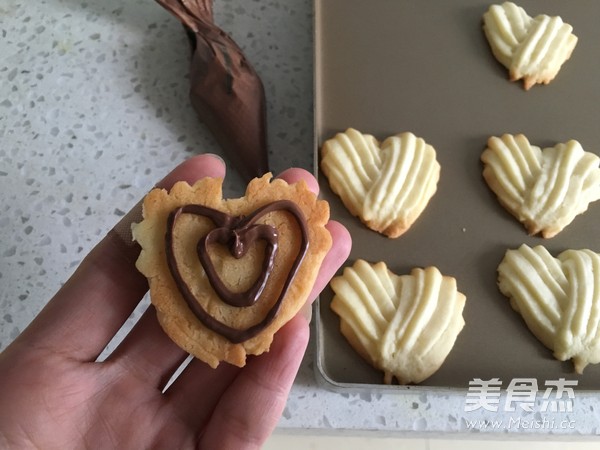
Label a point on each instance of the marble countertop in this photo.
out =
(94, 110)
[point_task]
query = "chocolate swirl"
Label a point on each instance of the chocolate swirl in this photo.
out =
(238, 233)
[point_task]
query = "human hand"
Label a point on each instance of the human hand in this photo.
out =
(54, 393)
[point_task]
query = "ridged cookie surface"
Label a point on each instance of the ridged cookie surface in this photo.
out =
(558, 298)
(386, 184)
(544, 189)
(403, 325)
(226, 274)
(532, 49)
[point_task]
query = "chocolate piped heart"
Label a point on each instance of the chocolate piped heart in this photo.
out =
(239, 233)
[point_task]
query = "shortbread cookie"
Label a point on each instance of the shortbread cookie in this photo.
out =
(225, 275)
(558, 298)
(387, 185)
(544, 189)
(532, 49)
(403, 325)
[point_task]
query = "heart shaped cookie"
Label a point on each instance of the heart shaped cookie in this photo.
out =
(544, 189)
(403, 325)
(225, 275)
(558, 298)
(387, 185)
(532, 49)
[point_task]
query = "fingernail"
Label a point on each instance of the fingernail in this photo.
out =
(123, 228)
(306, 311)
(219, 157)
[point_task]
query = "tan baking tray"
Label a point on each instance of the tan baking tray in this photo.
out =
(387, 66)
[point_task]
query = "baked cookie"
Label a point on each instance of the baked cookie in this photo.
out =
(544, 189)
(225, 275)
(531, 48)
(558, 298)
(403, 325)
(387, 185)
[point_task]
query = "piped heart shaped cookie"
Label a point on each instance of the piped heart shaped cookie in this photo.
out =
(532, 49)
(387, 185)
(225, 275)
(544, 189)
(558, 298)
(403, 325)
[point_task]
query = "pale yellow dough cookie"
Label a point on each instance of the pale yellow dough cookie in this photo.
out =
(544, 189)
(175, 314)
(558, 298)
(531, 48)
(404, 325)
(386, 184)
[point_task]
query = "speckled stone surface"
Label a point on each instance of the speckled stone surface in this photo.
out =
(94, 110)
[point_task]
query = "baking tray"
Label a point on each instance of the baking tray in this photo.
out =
(388, 66)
